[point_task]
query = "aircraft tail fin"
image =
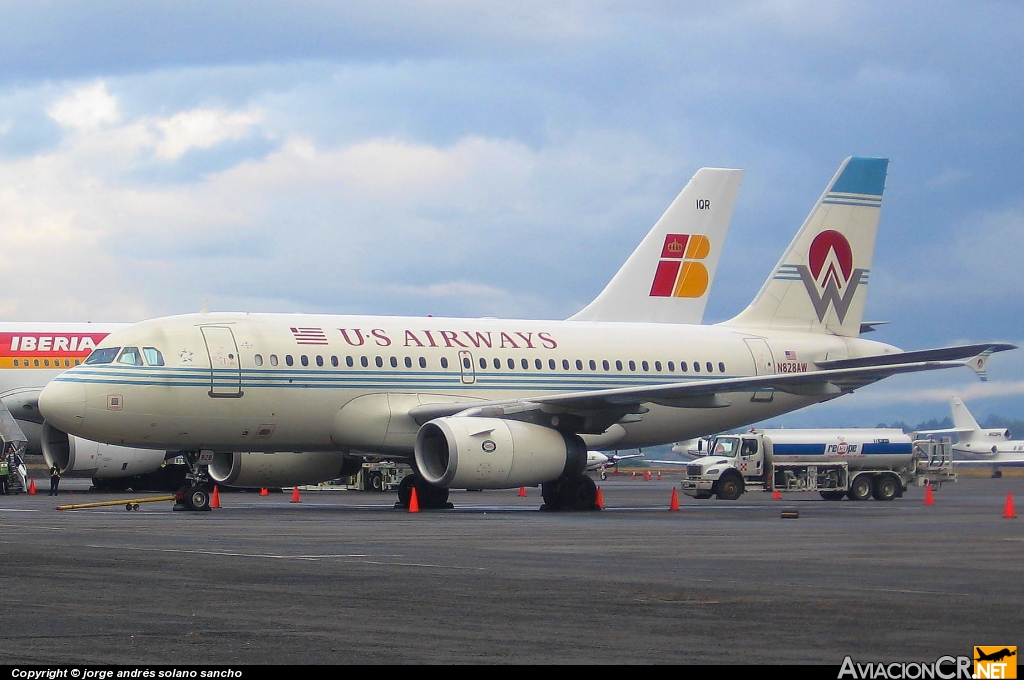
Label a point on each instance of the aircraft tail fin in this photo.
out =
(820, 284)
(668, 277)
(962, 418)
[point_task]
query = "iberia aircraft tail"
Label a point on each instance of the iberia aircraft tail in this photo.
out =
(668, 277)
(821, 283)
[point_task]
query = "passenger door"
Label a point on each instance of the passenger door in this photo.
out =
(225, 367)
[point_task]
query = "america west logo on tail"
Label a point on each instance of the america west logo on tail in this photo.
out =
(830, 279)
(680, 273)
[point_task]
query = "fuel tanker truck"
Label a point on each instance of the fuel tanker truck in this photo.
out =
(853, 463)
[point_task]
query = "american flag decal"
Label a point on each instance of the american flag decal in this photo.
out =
(310, 336)
(790, 355)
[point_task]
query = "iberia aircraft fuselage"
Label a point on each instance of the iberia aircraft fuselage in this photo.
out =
(352, 383)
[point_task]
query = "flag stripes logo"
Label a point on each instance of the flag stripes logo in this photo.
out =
(309, 336)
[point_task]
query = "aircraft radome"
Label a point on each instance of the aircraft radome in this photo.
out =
(491, 403)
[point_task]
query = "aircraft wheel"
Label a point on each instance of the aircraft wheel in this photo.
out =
(405, 490)
(197, 498)
(730, 488)
(997, 474)
(860, 489)
(430, 496)
(551, 492)
(604, 476)
(886, 488)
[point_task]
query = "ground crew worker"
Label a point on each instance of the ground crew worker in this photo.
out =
(54, 480)
(4, 471)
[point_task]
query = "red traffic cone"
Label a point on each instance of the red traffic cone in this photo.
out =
(215, 499)
(616, 472)
(659, 475)
(777, 495)
(522, 492)
(600, 499)
(674, 503)
(295, 495)
(31, 487)
(929, 496)
(264, 492)
(634, 474)
(1009, 512)
(414, 501)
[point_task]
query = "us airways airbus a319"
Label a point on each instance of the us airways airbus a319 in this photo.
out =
(32, 354)
(489, 403)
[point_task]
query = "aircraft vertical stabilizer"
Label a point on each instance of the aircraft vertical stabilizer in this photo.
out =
(668, 277)
(820, 284)
(962, 418)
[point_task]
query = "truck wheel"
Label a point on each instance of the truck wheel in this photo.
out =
(832, 495)
(730, 488)
(886, 488)
(377, 481)
(860, 489)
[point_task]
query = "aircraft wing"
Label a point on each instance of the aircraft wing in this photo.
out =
(596, 410)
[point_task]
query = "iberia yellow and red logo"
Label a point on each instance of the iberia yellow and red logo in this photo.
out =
(680, 272)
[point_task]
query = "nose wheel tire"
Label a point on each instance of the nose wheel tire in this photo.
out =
(197, 498)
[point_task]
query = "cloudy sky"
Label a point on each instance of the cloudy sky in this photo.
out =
(503, 158)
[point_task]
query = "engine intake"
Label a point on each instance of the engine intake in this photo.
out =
(77, 457)
(491, 453)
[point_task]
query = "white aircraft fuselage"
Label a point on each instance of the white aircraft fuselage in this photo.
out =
(258, 382)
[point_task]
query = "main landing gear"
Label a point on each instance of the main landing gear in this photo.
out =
(428, 496)
(572, 493)
(197, 492)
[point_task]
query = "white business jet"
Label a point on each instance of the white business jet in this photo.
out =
(32, 354)
(981, 448)
(490, 403)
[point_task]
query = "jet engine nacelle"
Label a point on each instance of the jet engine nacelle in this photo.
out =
(77, 457)
(997, 435)
(490, 453)
(254, 469)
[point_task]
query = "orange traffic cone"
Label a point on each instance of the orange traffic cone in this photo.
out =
(414, 501)
(674, 503)
(777, 495)
(659, 475)
(1009, 512)
(31, 487)
(215, 500)
(264, 492)
(634, 474)
(522, 492)
(600, 499)
(929, 496)
(295, 495)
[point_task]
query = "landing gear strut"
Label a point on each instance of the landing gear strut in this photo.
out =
(196, 494)
(573, 493)
(429, 497)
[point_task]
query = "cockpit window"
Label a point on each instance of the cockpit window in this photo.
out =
(153, 356)
(103, 355)
(130, 356)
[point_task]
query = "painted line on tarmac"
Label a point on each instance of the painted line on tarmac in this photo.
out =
(307, 558)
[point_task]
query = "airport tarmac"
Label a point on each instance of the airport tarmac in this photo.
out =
(342, 577)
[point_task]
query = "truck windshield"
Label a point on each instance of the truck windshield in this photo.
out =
(726, 446)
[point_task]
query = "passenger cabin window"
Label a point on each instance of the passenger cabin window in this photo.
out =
(288, 359)
(155, 358)
(273, 360)
(130, 356)
(444, 362)
(104, 355)
(258, 359)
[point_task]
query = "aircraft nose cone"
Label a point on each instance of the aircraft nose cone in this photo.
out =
(62, 404)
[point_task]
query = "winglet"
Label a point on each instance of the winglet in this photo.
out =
(979, 364)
